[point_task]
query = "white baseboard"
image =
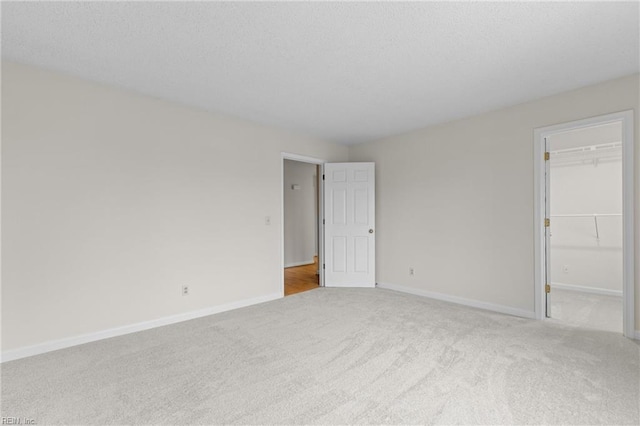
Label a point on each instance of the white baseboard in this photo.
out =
(54, 345)
(291, 265)
(583, 289)
(461, 301)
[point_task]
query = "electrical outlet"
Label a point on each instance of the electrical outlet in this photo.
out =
(565, 269)
(185, 290)
(411, 271)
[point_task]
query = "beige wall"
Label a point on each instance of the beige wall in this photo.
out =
(455, 201)
(112, 201)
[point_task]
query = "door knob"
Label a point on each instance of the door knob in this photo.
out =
(371, 231)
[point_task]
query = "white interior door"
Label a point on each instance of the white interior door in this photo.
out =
(349, 229)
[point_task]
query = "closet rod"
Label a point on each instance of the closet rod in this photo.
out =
(595, 219)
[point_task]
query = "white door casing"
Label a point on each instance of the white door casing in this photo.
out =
(547, 229)
(349, 229)
(321, 254)
(540, 212)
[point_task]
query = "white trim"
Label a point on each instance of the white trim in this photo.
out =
(352, 285)
(54, 345)
(538, 218)
(628, 207)
(294, 264)
(637, 335)
(583, 289)
(301, 158)
(628, 289)
(304, 159)
(460, 300)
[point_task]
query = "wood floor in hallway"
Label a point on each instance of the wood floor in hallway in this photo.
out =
(301, 278)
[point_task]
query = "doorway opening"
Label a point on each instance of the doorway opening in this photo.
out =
(585, 196)
(584, 223)
(302, 239)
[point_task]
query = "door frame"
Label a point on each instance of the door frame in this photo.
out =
(628, 272)
(320, 212)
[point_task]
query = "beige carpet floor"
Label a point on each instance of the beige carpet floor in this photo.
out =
(587, 310)
(336, 356)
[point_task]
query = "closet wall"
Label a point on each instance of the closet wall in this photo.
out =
(586, 207)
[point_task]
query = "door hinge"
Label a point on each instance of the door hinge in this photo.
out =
(547, 222)
(323, 221)
(546, 156)
(547, 288)
(323, 266)
(322, 177)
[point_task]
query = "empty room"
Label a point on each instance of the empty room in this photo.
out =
(320, 213)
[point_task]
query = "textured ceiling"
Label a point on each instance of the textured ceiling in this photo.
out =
(348, 72)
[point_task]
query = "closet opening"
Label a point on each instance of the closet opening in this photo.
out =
(584, 223)
(585, 196)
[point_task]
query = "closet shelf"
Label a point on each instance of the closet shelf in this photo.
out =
(587, 154)
(587, 215)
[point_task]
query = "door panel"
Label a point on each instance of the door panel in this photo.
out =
(339, 255)
(339, 204)
(350, 224)
(361, 256)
